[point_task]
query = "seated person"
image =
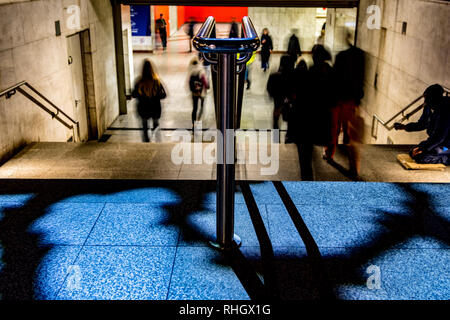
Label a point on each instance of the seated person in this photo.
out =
(436, 120)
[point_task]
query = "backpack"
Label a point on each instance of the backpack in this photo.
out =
(196, 85)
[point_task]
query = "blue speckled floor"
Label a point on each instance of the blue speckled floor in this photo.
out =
(149, 240)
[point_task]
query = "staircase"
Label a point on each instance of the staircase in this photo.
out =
(152, 161)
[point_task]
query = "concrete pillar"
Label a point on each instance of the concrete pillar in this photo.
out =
(120, 64)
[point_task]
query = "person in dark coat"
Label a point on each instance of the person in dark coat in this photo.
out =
(299, 96)
(149, 91)
(234, 32)
(266, 49)
(190, 32)
(436, 120)
(294, 50)
(349, 81)
(161, 25)
(315, 98)
(279, 87)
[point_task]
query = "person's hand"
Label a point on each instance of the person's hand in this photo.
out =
(399, 126)
(416, 152)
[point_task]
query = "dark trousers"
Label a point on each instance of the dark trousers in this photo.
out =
(265, 61)
(145, 136)
(305, 153)
(195, 107)
(163, 35)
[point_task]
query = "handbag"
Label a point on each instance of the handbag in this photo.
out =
(161, 93)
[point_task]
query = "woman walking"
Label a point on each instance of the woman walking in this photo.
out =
(149, 91)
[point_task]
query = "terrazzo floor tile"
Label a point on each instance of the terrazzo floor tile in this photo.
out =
(120, 273)
(201, 274)
(354, 292)
(134, 224)
(402, 228)
(327, 229)
(346, 193)
(415, 274)
(66, 224)
(139, 195)
(53, 269)
(32, 271)
(202, 226)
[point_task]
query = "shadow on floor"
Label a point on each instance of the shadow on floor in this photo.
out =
(290, 276)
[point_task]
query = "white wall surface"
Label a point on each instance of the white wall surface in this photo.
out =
(30, 51)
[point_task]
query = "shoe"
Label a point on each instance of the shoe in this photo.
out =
(327, 158)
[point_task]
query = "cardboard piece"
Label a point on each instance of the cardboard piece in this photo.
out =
(408, 163)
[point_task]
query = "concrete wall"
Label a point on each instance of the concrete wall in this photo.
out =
(404, 64)
(339, 22)
(30, 50)
(280, 22)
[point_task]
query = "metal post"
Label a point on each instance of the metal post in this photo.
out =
(226, 102)
(225, 162)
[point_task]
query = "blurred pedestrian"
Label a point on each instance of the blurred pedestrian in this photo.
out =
(161, 26)
(247, 70)
(294, 50)
(299, 99)
(314, 100)
(279, 87)
(198, 85)
(149, 92)
(234, 32)
(190, 31)
(266, 49)
(349, 82)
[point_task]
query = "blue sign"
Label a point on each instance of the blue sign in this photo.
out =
(140, 21)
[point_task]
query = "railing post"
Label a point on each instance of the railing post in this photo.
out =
(225, 157)
(226, 66)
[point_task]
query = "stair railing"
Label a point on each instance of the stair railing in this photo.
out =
(389, 124)
(68, 122)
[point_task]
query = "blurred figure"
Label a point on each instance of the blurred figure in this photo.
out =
(190, 31)
(436, 120)
(315, 98)
(247, 70)
(299, 96)
(161, 26)
(321, 39)
(349, 82)
(149, 91)
(266, 49)
(294, 50)
(279, 87)
(234, 32)
(198, 85)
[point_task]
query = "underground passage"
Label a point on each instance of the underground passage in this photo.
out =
(226, 151)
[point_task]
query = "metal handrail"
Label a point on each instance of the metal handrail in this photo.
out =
(387, 124)
(9, 92)
(202, 41)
